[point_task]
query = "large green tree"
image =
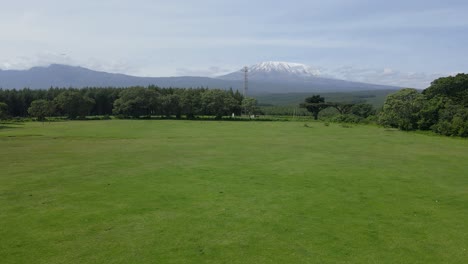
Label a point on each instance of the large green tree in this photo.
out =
(452, 120)
(73, 104)
(453, 87)
(41, 109)
(430, 110)
(342, 107)
(218, 103)
(250, 105)
(104, 99)
(3, 110)
(239, 99)
(314, 104)
(171, 105)
(136, 102)
(401, 109)
(362, 110)
(191, 102)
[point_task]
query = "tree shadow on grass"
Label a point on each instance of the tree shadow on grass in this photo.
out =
(11, 125)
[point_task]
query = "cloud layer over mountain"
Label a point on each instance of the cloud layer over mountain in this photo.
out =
(182, 37)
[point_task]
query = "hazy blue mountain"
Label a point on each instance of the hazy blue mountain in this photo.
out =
(71, 76)
(266, 78)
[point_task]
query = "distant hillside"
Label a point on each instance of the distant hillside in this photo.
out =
(57, 75)
(373, 97)
(269, 81)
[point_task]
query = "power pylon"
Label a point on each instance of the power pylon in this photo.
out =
(246, 79)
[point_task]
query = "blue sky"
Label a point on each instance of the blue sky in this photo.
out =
(405, 43)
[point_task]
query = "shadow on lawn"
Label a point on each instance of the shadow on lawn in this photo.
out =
(11, 125)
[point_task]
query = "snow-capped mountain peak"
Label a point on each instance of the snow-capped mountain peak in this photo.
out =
(276, 71)
(285, 67)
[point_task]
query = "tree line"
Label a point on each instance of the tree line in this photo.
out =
(347, 111)
(132, 102)
(442, 108)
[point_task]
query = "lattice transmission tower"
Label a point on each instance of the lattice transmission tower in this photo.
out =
(246, 79)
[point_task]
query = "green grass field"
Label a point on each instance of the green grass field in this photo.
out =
(230, 192)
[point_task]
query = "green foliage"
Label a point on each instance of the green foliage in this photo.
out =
(314, 104)
(136, 102)
(73, 104)
(291, 110)
(218, 103)
(453, 121)
(429, 113)
(342, 107)
(446, 112)
(19, 101)
(3, 110)
(340, 112)
(104, 99)
(126, 102)
(443, 107)
(362, 110)
(250, 106)
(453, 87)
(238, 97)
(347, 118)
(41, 109)
(171, 105)
(401, 109)
(191, 102)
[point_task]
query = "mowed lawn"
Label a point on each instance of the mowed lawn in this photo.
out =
(230, 192)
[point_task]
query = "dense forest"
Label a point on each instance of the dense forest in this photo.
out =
(442, 108)
(124, 102)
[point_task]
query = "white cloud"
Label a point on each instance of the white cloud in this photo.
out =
(48, 58)
(388, 71)
(210, 72)
(40, 59)
(385, 76)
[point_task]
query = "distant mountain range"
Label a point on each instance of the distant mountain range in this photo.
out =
(266, 77)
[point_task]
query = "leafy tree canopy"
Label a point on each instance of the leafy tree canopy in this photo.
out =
(73, 104)
(218, 103)
(401, 109)
(3, 110)
(250, 105)
(453, 87)
(136, 102)
(41, 109)
(362, 110)
(314, 104)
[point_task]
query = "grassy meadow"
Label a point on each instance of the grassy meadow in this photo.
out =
(128, 191)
